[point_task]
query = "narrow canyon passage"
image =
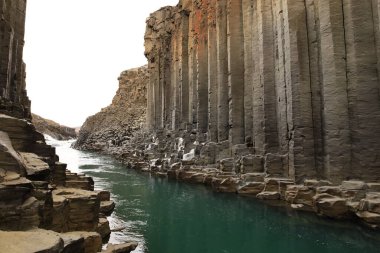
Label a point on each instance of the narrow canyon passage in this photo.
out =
(168, 216)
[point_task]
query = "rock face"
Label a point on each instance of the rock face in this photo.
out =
(293, 82)
(13, 98)
(34, 186)
(115, 124)
(277, 100)
(53, 129)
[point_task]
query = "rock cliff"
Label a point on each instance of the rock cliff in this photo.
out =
(115, 125)
(278, 100)
(295, 82)
(59, 209)
(13, 98)
(53, 129)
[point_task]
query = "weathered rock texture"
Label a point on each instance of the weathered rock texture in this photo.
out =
(13, 98)
(36, 192)
(295, 83)
(53, 129)
(115, 124)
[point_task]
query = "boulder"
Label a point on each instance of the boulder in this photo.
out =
(75, 210)
(34, 166)
(121, 248)
(107, 207)
(37, 241)
(266, 195)
(72, 243)
(225, 184)
(251, 188)
(104, 228)
(92, 240)
(331, 206)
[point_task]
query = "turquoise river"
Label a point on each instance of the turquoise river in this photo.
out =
(170, 217)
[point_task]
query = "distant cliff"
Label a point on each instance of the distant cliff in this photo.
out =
(53, 129)
(115, 124)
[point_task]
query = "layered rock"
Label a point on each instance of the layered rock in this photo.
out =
(115, 125)
(33, 184)
(295, 83)
(53, 129)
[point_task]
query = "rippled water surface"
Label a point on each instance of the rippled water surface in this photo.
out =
(170, 217)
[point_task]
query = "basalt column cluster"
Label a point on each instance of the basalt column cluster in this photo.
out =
(13, 97)
(293, 82)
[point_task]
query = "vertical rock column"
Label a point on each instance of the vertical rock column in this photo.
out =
(235, 42)
(300, 120)
(193, 74)
(336, 126)
(184, 67)
(258, 89)
(280, 82)
(212, 74)
(174, 72)
(202, 58)
(312, 14)
(248, 68)
(264, 86)
(376, 24)
(14, 100)
(158, 50)
(363, 88)
(222, 70)
(6, 44)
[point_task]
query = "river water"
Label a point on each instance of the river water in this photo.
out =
(170, 217)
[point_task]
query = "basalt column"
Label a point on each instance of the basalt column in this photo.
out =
(235, 48)
(14, 100)
(212, 74)
(222, 70)
(337, 139)
(295, 80)
(300, 114)
(184, 68)
(265, 120)
(363, 87)
(248, 68)
(202, 60)
(193, 74)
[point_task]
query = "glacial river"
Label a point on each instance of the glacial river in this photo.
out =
(171, 217)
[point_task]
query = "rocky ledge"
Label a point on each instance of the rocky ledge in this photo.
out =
(41, 201)
(235, 170)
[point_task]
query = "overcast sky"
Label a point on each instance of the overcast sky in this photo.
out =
(76, 49)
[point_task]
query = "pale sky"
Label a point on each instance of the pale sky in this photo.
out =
(76, 49)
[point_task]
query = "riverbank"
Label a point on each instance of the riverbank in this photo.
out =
(171, 216)
(177, 156)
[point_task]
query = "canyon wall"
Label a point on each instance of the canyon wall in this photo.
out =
(60, 209)
(13, 98)
(293, 82)
(114, 126)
